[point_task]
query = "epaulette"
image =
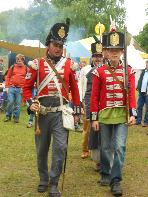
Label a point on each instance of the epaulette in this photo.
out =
(132, 71)
(34, 64)
(74, 66)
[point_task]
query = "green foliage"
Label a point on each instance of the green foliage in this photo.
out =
(35, 22)
(87, 13)
(142, 38)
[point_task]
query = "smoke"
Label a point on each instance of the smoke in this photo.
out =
(75, 33)
(16, 25)
(33, 23)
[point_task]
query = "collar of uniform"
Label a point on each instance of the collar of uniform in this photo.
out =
(54, 60)
(111, 66)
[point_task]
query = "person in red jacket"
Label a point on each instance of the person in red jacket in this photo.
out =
(15, 79)
(108, 111)
(50, 116)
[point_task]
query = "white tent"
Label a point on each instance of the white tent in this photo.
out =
(32, 43)
(87, 42)
(135, 60)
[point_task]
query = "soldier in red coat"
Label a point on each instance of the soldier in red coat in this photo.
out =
(108, 111)
(50, 116)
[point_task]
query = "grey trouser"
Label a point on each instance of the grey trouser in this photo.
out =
(51, 124)
(113, 148)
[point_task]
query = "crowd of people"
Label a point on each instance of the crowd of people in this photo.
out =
(97, 90)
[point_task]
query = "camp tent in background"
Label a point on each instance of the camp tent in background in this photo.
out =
(29, 43)
(135, 60)
(81, 49)
(30, 48)
(28, 51)
(32, 43)
(87, 42)
(76, 49)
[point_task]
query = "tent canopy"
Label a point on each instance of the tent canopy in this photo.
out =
(32, 43)
(76, 49)
(28, 51)
(134, 58)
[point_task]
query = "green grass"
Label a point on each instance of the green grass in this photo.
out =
(18, 170)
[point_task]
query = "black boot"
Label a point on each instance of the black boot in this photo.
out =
(116, 189)
(42, 188)
(53, 191)
(105, 180)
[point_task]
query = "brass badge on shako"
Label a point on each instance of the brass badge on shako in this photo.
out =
(99, 48)
(61, 32)
(114, 39)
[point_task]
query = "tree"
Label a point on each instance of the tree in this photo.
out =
(87, 13)
(39, 20)
(35, 22)
(142, 38)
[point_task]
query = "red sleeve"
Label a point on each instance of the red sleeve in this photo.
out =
(95, 94)
(8, 76)
(132, 89)
(29, 83)
(74, 89)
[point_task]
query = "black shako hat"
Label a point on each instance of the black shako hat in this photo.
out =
(58, 33)
(104, 40)
(115, 40)
(96, 48)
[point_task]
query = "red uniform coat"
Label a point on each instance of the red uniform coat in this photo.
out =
(106, 91)
(66, 72)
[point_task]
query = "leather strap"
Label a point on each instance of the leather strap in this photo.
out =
(58, 75)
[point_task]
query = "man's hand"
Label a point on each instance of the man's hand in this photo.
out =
(76, 119)
(35, 107)
(95, 125)
(82, 111)
(132, 120)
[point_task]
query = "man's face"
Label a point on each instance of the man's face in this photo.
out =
(55, 49)
(82, 64)
(19, 60)
(97, 59)
(105, 53)
(115, 54)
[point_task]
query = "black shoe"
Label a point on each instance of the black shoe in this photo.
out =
(16, 120)
(53, 191)
(145, 125)
(42, 188)
(7, 119)
(116, 189)
(105, 180)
